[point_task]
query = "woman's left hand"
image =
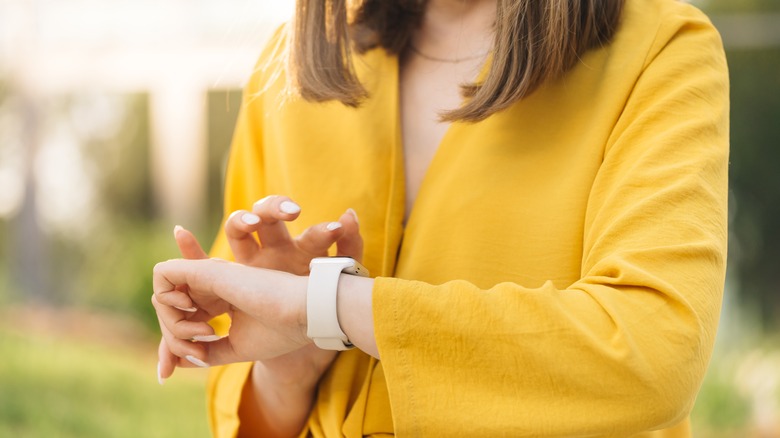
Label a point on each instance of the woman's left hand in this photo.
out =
(267, 308)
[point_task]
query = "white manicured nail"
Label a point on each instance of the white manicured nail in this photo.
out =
(207, 338)
(352, 212)
(289, 207)
(176, 230)
(195, 361)
(250, 219)
(333, 226)
(187, 309)
(160, 380)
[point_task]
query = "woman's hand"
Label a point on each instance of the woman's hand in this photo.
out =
(260, 238)
(267, 308)
(275, 249)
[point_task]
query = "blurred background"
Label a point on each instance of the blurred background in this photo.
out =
(115, 119)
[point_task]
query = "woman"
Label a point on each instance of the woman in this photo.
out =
(559, 269)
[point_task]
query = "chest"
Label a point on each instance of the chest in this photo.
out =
(503, 199)
(426, 89)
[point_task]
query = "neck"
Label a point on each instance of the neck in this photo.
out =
(455, 9)
(456, 28)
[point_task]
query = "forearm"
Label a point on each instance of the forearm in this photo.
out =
(275, 406)
(279, 397)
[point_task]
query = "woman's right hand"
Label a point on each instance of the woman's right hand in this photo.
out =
(273, 248)
(260, 238)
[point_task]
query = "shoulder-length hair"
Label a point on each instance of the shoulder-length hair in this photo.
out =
(535, 41)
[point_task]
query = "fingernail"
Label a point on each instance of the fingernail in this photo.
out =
(250, 219)
(208, 338)
(333, 226)
(176, 230)
(187, 309)
(160, 380)
(352, 212)
(289, 207)
(195, 361)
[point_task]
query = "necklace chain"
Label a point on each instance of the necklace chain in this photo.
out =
(447, 60)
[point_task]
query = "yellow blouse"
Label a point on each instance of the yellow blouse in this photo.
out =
(562, 270)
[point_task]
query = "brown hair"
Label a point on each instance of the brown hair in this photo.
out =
(534, 41)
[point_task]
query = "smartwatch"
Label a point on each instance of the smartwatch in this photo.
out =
(321, 311)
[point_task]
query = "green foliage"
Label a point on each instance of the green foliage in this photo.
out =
(223, 108)
(5, 282)
(754, 179)
(117, 272)
(741, 6)
(56, 387)
(122, 161)
(719, 409)
(112, 268)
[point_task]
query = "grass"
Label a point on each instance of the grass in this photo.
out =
(61, 384)
(721, 411)
(82, 374)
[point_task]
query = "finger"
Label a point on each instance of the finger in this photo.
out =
(190, 249)
(201, 316)
(183, 351)
(179, 326)
(177, 299)
(350, 243)
(239, 229)
(160, 282)
(213, 283)
(222, 352)
(316, 239)
(272, 211)
(188, 245)
(166, 363)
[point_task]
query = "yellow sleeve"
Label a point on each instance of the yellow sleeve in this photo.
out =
(244, 185)
(623, 349)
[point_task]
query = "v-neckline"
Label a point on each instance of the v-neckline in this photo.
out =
(395, 214)
(400, 147)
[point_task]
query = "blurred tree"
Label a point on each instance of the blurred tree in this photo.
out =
(749, 29)
(223, 107)
(731, 6)
(114, 264)
(29, 257)
(121, 151)
(755, 180)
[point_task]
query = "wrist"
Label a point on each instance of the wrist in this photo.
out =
(296, 372)
(301, 318)
(322, 323)
(354, 310)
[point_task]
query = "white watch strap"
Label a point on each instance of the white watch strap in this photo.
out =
(321, 311)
